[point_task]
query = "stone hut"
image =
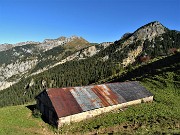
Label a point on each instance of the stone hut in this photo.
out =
(72, 104)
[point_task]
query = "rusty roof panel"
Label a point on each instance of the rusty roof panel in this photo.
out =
(73, 100)
(81, 98)
(92, 97)
(106, 96)
(86, 98)
(115, 90)
(63, 102)
(96, 102)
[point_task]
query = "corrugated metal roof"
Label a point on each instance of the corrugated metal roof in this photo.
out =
(63, 101)
(73, 100)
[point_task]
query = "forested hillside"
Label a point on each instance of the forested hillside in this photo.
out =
(24, 59)
(111, 63)
(18, 53)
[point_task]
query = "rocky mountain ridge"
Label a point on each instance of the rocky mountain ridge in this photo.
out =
(18, 60)
(45, 45)
(13, 72)
(30, 60)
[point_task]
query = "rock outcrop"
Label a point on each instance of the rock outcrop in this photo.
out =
(146, 32)
(149, 31)
(11, 73)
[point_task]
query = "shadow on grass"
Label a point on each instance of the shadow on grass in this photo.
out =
(168, 64)
(31, 107)
(36, 113)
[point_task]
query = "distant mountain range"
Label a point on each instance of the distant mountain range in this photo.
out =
(45, 45)
(28, 67)
(18, 60)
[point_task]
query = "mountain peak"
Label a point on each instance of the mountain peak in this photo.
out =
(154, 24)
(149, 31)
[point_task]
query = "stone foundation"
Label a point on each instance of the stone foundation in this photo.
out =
(85, 115)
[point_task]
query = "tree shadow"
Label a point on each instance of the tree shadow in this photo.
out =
(168, 64)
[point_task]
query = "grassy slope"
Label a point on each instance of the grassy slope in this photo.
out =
(17, 120)
(161, 116)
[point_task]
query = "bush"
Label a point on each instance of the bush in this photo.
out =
(36, 113)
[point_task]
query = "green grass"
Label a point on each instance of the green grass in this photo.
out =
(162, 116)
(159, 117)
(18, 120)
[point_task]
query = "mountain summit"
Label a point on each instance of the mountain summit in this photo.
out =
(149, 31)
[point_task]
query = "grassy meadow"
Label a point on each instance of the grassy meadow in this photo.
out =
(18, 120)
(162, 116)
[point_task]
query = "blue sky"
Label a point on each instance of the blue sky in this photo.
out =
(95, 20)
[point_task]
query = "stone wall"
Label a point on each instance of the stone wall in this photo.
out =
(85, 115)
